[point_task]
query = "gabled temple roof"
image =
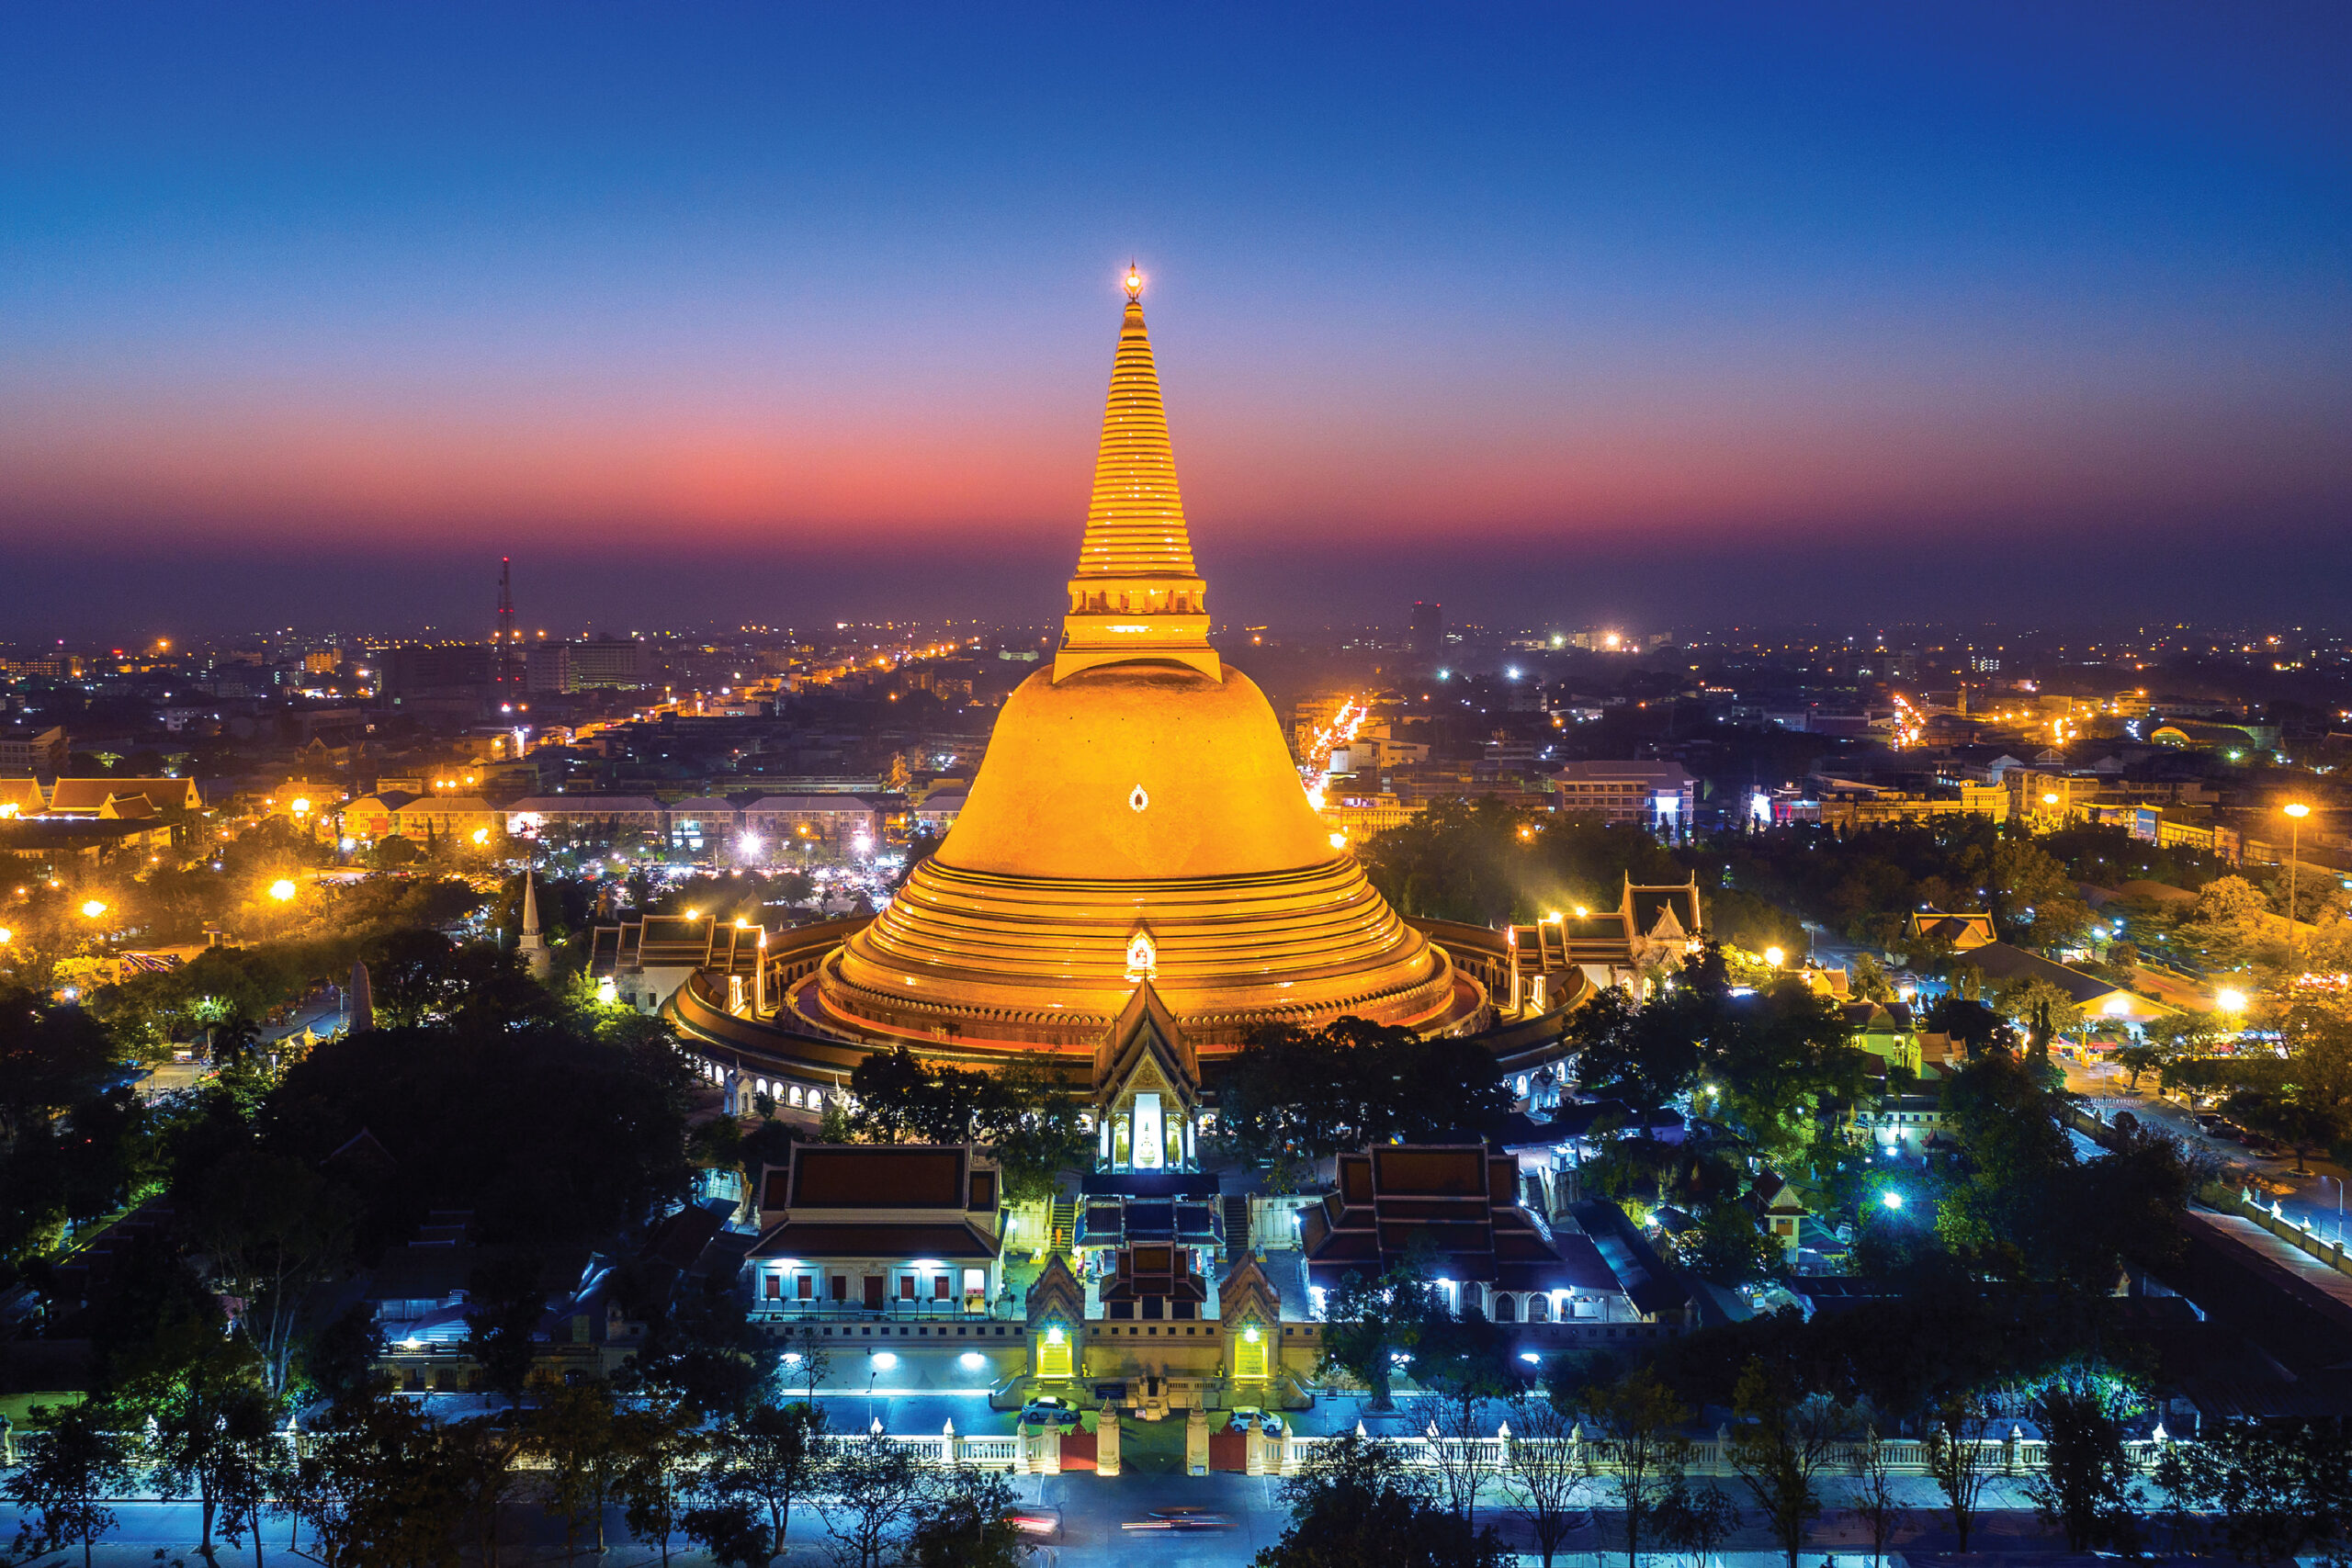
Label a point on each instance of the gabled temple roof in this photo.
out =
(1145, 1028)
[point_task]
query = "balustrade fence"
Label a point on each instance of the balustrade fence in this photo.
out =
(1902, 1456)
(937, 1451)
(1033, 1451)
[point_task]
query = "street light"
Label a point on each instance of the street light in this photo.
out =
(2230, 1002)
(2296, 811)
(94, 907)
(1893, 1200)
(1775, 957)
(282, 890)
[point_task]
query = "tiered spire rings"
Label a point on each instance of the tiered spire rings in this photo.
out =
(1136, 594)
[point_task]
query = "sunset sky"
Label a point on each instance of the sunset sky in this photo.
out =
(1674, 313)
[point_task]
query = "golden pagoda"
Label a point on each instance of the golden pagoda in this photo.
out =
(1137, 818)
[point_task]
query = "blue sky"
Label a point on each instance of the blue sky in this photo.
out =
(1566, 312)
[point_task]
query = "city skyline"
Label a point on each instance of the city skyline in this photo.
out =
(1556, 320)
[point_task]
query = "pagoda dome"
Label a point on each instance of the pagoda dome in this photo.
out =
(1136, 771)
(1136, 817)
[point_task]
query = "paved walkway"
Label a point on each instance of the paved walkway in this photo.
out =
(2280, 1254)
(1095, 1512)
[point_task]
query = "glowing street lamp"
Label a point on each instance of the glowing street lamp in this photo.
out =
(1893, 1200)
(94, 907)
(282, 890)
(2296, 811)
(1775, 957)
(2230, 1002)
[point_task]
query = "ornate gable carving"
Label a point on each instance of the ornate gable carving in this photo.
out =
(1055, 1293)
(1146, 1038)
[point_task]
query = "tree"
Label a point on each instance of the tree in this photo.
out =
(484, 1452)
(1785, 1439)
(1640, 1421)
(662, 1466)
(63, 1482)
(872, 1486)
(507, 1301)
(1293, 1093)
(1449, 1422)
(2282, 1491)
(339, 1360)
(377, 1485)
(2293, 1115)
(808, 1355)
(1696, 1519)
(769, 1456)
(1647, 1056)
(203, 1394)
(1542, 1469)
(1357, 1504)
(730, 1530)
(1957, 1456)
(1729, 1250)
(702, 1344)
(1876, 1501)
(1022, 1112)
(576, 1429)
(2229, 926)
(51, 1057)
(274, 1228)
(2086, 1484)
(962, 1524)
(1371, 1325)
(2033, 898)
(253, 1468)
(2141, 1057)
(2026, 1002)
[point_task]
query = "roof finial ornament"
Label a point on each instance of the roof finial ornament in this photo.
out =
(1134, 281)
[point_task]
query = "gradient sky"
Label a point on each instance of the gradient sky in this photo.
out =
(766, 313)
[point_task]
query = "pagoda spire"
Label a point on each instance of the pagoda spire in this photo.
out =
(528, 942)
(1136, 594)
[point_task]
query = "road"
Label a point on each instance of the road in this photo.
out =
(1093, 1510)
(2316, 1195)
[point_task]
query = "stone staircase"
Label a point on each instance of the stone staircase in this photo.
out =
(1236, 1223)
(1064, 1236)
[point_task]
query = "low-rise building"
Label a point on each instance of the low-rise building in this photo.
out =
(1658, 796)
(868, 1232)
(1458, 1207)
(827, 825)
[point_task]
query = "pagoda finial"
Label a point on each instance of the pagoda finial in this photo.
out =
(1136, 595)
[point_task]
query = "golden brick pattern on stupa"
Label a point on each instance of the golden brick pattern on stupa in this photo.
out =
(1134, 526)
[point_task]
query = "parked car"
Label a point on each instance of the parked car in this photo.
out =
(1048, 1412)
